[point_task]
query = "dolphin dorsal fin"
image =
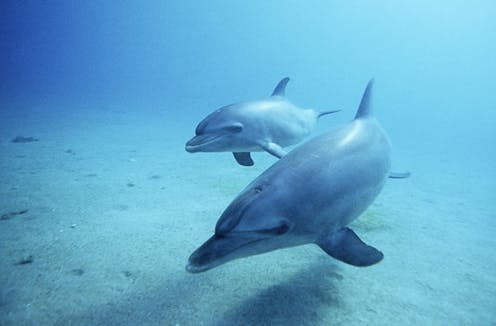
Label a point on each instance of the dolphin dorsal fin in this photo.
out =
(365, 108)
(281, 87)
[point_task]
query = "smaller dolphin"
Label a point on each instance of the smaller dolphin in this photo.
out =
(308, 196)
(262, 125)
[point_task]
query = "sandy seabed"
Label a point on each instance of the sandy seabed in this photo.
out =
(100, 215)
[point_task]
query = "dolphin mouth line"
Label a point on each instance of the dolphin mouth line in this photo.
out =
(195, 268)
(262, 235)
(195, 143)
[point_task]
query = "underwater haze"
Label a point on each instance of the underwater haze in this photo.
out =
(101, 206)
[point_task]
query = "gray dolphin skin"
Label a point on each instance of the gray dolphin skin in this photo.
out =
(308, 196)
(263, 125)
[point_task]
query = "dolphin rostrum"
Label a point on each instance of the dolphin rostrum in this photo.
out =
(262, 125)
(308, 196)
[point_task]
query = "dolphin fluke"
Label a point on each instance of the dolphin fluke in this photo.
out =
(280, 89)
(347, 247)
(320, 114)
(399, 175)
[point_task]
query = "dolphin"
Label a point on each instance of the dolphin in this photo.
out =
(308, 196)
(262, 125)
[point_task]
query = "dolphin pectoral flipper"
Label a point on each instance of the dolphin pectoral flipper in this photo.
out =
(399, 175)
(273, 149)
(346, 246)
(243, 158)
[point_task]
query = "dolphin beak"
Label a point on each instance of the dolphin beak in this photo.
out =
(218, 250)
(199, 142)
(224, 247)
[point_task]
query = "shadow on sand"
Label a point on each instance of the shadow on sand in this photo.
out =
(302, 299)
(205, 299)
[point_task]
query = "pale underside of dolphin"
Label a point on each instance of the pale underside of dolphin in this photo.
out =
(261, 125)
(308, 196)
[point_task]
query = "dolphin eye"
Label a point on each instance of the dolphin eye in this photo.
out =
(258, 189)
(235, 128)
(200, 129)
(283, 228)
(278, 230)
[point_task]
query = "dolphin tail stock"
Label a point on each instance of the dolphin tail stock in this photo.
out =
(322, 113)
(365, 108)
(280, 89)
(346, 246)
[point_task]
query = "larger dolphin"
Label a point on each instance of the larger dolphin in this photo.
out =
(263, 125)
(308, 196)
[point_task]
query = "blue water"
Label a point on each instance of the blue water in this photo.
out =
(433, 62)
(131, 80)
